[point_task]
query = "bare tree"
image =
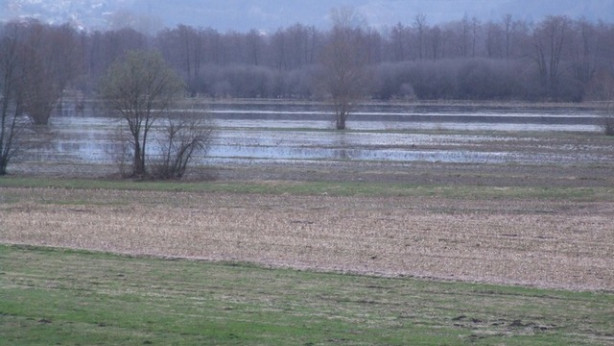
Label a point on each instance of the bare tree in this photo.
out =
(494, 40)
(139, 88)
(182, 48)
(398, 42)
(293, 48)
(344, 61)
(12, 124)
(465, 36)
(584, 57)
(550, 39)
(102, 49)
(255, 47)
(475, 29)
(279, 44)
(436, 41)
(421, 27)
(50, 56)
(183, 136)
(507, 29)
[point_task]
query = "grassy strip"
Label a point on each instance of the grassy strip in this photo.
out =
(321, 188)
(53, 296)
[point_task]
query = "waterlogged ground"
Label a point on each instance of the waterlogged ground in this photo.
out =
(529, 206)
(297, 133)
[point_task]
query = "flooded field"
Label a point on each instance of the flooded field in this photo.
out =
(253, 132)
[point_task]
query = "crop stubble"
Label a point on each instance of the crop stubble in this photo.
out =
(553, 244)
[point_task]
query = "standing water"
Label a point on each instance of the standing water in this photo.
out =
(281, 131)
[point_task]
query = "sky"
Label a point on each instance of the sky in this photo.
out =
(269, 15)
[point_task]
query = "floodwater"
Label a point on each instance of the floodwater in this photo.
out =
(257, 132)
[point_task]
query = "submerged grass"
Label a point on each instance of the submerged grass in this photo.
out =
(55, 296)
(321, 188)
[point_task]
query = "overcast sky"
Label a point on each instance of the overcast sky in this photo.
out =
(268, 15)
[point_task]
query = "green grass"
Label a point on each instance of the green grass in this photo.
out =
(54, 296)
(321, 188)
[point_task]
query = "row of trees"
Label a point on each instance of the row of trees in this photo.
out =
(557, 59)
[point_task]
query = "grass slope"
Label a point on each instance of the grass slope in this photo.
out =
(53, 296)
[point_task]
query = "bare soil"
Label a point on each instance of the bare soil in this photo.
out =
(544, 243)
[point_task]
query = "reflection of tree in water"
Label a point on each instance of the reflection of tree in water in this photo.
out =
(341, 151)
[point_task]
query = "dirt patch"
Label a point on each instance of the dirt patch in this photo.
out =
(554, 244)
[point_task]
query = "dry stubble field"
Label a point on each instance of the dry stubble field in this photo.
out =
(553, 243)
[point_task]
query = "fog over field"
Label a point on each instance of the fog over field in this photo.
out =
(268, 16)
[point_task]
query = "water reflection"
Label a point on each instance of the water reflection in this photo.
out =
(299, 132)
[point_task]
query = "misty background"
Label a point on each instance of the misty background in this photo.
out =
(270, 15)
(425, 50)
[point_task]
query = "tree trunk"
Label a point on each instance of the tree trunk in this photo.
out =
(3, 164)
(340, 123)
(341, 115)
(139, 163)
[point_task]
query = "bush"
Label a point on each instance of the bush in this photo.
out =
(181, 139)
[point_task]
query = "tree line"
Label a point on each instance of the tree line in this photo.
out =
(556, 59)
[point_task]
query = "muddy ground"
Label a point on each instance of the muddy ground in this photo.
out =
(544, 243)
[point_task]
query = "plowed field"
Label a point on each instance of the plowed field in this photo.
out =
(551, 243)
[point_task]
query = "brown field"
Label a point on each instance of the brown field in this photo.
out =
(553, 243)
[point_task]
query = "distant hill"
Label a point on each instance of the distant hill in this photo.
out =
(268, 15)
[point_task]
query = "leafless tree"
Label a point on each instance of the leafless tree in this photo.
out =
(50, 56)
(344, 61)
(550, 40)
(12, 124)
(102, 49)
(421, 27)
(139, 88)
(584, 51)
(294, 47)
(398, 43)
(494, 40)
(507, 29)
(255, 47)
(436, 41)
(183, 136)
(182, 47)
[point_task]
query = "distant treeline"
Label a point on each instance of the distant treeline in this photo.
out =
(557, 59)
